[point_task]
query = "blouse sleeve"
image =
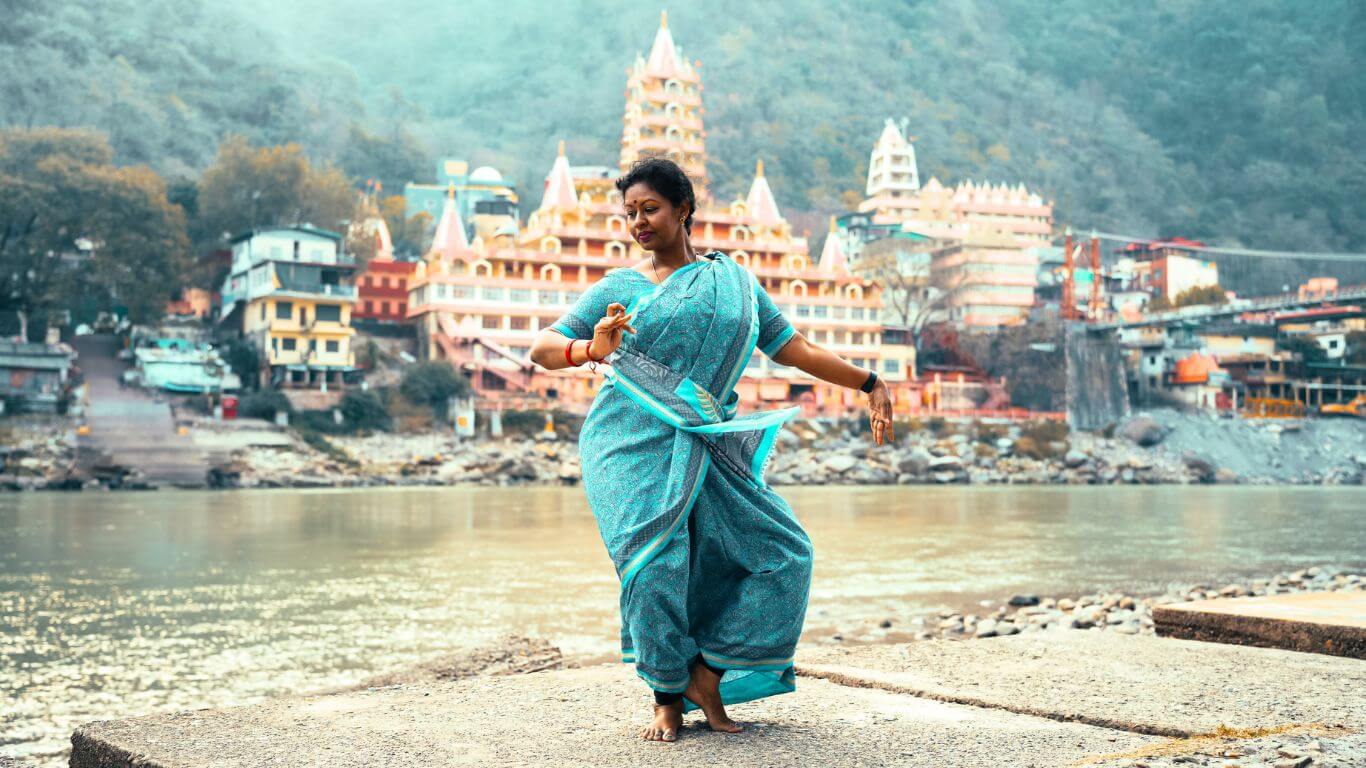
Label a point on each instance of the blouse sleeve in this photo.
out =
(578, 322)
(774, 328)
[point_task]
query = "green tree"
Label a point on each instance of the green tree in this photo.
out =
(433, 383)
(409, 234)
(75, 227)
(248, 188)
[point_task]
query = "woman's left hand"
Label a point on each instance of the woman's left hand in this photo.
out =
(880, 413)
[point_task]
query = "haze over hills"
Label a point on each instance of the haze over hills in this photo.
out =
(1232, 121)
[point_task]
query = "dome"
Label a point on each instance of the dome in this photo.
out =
(486, 174)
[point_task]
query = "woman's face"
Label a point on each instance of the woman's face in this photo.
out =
(653, 221)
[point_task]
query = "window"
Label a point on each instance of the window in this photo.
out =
(330, 313)
(521, 295)
(284, 310)
(288, 345)
(333, 346)
(891, 366)
(803, 310)
(493, 294)
(493, 321)
(572, 296)
(839, 313)
(368, 307)
(263, 310)
(548, 297)
(460, 291)
(521, 323)
(856, 313)
(384, 307)
(821, 310)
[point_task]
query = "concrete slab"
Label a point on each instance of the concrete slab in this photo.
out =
(587, 717)
(1137, 683)
(1313, 622)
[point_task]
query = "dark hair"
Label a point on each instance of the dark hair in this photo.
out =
(665, 177)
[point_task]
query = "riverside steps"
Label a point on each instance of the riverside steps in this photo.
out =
(1314, 622)
(1046, 699)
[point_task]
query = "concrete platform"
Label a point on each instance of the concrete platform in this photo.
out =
(588, 717)
(1131, 682)
(1052, 699)
(1314, 622)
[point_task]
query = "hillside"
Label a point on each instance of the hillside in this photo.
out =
(1236, 122)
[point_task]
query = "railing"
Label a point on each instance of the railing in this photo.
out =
(318, 289)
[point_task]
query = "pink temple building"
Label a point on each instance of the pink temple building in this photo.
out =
(480, 304)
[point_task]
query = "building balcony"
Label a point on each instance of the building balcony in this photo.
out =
(308, 288)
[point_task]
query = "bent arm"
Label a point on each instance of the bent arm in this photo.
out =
(547, 350)
(820, 362)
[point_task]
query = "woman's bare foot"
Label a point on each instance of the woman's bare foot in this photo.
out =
(704, 690)
(668, 719)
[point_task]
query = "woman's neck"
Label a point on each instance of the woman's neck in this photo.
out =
(677, 256)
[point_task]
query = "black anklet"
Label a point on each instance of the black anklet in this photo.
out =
(700, 659)
(664, 699)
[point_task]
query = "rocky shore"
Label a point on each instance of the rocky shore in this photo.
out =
(1156, 447)
(1126, 614)
(1162, 447)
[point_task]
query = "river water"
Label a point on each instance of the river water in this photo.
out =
(115, 605)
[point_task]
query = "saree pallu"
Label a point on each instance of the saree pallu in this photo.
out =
(711, 560)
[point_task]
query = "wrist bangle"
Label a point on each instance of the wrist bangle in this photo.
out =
(868, 385)
(588, 352)
(568, 348)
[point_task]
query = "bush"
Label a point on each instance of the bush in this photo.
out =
(363, 410)
(263, 405)
(432, 384)
(990, 433)
(1045, 432)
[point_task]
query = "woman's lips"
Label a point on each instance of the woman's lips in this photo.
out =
(643, 236)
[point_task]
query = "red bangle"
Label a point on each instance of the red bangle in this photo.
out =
(588, 352)
(567, 348)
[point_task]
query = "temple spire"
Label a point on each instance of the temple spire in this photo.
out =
(559, 185)
(663, 59)
(833, 260)
(760, 202)
(450, 241)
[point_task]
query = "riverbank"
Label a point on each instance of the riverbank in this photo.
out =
(1155, 447)
(1119, 612)
(1078, 698)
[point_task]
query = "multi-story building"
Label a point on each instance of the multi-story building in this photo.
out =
(382, 289)
(487, 202)
(1167, 268)
(895, 196)
(291, 290)
(985, 280)
(482, 305)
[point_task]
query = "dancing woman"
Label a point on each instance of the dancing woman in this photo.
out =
(714, 568)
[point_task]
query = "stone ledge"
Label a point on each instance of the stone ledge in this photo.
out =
(1331, 623)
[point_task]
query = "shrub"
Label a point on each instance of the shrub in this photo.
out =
(363, 410)
(1044, 432)
(263, 405)
(433, 383)
(990, 433)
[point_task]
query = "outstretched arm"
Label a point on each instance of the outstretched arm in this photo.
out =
(828, 366)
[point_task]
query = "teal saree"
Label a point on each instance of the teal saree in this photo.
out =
(711, 560)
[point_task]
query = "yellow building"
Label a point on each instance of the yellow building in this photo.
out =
(292, 291)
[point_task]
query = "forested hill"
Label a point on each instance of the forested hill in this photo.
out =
(1236, 121)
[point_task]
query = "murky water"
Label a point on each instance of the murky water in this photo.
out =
(114, 605)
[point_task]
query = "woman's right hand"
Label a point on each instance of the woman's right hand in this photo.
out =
(607, 333)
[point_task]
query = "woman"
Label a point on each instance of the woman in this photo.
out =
(714, 567)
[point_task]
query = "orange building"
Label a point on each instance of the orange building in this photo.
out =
(480, 304)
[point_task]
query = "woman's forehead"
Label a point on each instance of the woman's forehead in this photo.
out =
(641, 192)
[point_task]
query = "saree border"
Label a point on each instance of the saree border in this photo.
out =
(647, 553)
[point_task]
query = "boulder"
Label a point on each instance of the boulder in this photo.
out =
(839, 463)
(1201, 466)
(1142, 431)
(1074, 458)
(915, 462)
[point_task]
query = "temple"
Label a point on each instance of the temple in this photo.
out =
(479, 304)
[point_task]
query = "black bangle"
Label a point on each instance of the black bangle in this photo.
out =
(868, 385)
